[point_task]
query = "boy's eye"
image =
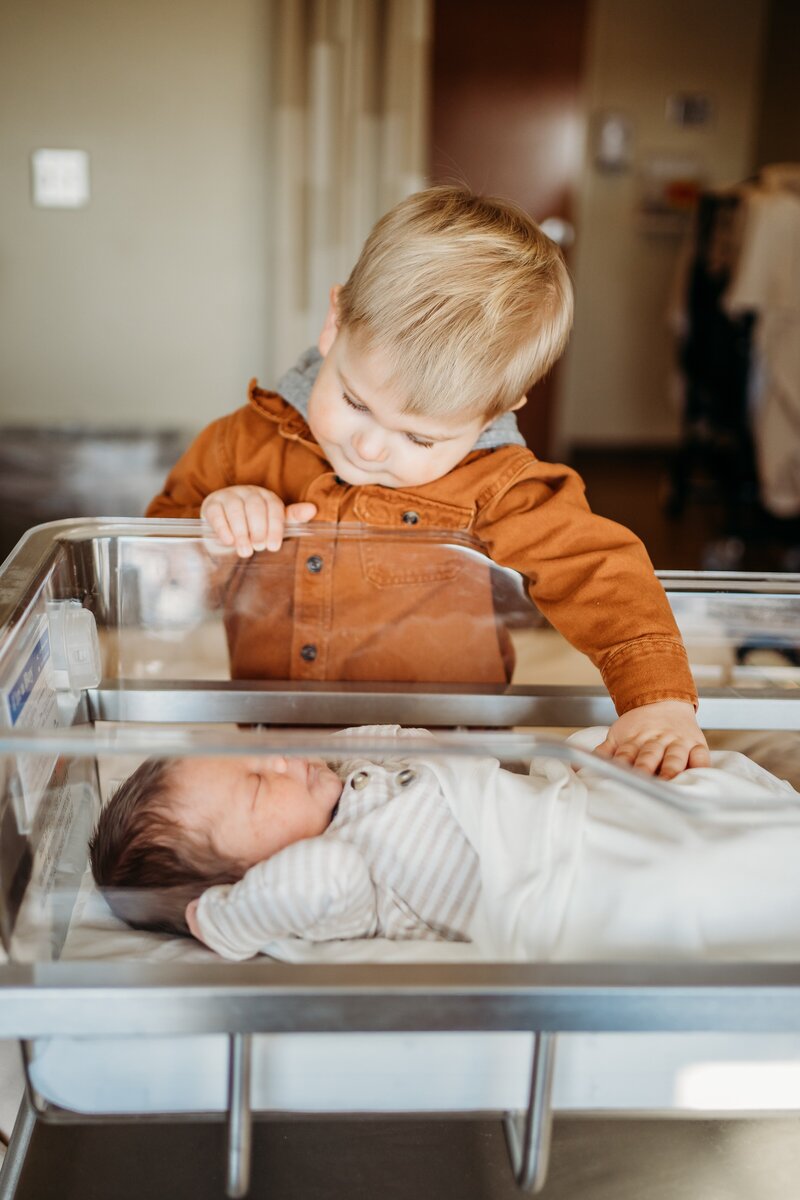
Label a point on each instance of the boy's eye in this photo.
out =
(415, 441)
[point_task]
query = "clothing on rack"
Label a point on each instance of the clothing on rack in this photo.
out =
(740, 350)
(715, 363)
(767, 283)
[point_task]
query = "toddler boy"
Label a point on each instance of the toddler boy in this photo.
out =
(456, 306)
(556, 865)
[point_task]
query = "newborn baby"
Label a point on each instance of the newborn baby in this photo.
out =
(245, 852)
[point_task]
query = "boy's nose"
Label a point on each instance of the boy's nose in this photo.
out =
(370, 446)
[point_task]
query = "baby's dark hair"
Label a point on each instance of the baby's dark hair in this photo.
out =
(146, 864)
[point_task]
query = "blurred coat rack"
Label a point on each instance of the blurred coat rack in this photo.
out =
(740, 357)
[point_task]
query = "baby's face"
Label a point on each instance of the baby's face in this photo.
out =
(252, 807)
(357, 418)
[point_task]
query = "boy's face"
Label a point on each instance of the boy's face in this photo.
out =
(252, 807)
(358, 421)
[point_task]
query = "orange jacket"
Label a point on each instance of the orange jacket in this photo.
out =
(380, 613)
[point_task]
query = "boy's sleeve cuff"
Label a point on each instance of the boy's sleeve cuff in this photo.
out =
(649, 670)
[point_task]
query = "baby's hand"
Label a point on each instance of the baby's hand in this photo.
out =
(191, 919)
(251, 518)
(662, 739)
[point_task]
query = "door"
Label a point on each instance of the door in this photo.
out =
(508, 121)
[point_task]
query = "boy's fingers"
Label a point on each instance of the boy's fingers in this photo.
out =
(699, 756)
(650, 757)
(276, 517)
(237, 519)
(256, 514)
(676, 758)
(606, 749)
(214, 512)
(627, 751)
(302, 511)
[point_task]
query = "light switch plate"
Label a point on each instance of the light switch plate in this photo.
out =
(60, 178)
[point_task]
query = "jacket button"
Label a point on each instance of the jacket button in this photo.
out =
(309, 652)
(411, 517)
(406, 776)
(314, 564)
(359, 780)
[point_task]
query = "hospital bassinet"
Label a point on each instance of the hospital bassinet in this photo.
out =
(112, 647)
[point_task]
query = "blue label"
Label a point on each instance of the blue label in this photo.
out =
(28, 676)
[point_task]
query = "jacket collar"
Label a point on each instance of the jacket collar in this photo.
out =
(275, 408)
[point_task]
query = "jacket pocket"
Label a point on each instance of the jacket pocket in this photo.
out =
(407, 559)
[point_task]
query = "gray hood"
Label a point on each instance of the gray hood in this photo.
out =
(295, 387)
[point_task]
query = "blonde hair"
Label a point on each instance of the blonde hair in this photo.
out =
(465, 296)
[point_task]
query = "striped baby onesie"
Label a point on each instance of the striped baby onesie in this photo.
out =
(393, 863)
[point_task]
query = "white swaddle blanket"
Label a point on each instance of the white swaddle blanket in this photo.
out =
(577, 866)
(618, 874)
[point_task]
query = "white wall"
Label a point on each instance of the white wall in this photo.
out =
(150, 307)
(615, 383)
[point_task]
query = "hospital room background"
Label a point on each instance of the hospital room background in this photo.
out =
(183, 181)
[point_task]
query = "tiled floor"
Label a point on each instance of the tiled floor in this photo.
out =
(419, 1160)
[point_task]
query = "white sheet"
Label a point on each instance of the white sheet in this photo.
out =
(409, 1072)
(591, 870)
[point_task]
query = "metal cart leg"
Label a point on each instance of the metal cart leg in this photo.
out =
(528, 1134)
(17, 1148)
(240, 1117)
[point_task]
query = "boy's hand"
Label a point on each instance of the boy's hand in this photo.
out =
(251, 518)
(662, 739)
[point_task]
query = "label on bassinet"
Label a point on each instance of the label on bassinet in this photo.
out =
(29, 702)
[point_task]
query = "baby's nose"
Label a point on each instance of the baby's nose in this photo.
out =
(271, 762)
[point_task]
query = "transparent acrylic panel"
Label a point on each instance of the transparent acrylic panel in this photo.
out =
(357, 605)
(741, 629)
(332, 604)
(412, 611)
(535, 850)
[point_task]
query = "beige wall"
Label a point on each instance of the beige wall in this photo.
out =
(615, 386)
(151, 305)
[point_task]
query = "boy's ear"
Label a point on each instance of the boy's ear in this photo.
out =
(523, 400)
(331, 326)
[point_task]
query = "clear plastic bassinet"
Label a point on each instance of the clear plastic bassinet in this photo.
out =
(117, 640)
